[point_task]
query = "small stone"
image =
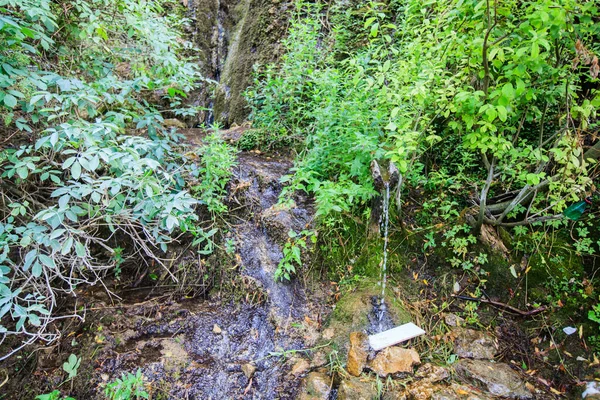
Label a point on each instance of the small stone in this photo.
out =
(319, 360)
(432, 373)
(470, 343)
(395, 394)
(328, 334)
(454, 320)
(173, 122)
(497, 378)
(458, 392)
(357, 354)
(216, 329)
(423, 389)
(300, 367)
(393, 360)
(356, 389)
(317, 386)
(248, 370)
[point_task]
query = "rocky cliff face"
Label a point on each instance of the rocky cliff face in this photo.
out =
(233, 36)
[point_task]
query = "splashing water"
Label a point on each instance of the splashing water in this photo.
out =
(386, 220)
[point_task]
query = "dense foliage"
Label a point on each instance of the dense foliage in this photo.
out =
(92, 179)
(511, 83)
(487, 108)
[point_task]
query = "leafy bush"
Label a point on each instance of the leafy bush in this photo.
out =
(129, 386)
(504, 81)
(99, 170)
(218, 159)
(54, 395)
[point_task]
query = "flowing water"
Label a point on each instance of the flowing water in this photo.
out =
(382, 314)
(202, 349)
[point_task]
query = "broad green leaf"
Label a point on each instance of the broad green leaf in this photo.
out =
(76, 170)
(10, 100)
(47, 261)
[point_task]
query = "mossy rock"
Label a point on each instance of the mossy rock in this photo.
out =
(352, 312)
(256, 40)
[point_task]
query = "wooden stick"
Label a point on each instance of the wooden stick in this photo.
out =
(503, 305)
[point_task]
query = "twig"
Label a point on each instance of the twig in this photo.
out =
(503, 305)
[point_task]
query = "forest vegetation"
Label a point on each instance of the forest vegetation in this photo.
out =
(488, 110)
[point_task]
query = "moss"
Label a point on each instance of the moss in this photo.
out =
(256, 40)
(353, 308)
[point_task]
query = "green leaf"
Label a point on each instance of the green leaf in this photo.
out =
(502, 113)
(66, 246)
(80, 249)
(47, 261)
(508, 91)
(10, 101)
(36, 270)
(29, 258)
(34, 320)
(76, 170)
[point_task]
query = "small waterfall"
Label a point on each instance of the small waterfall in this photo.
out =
(383, 282)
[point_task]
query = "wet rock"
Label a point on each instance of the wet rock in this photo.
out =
(470, 343)
(278, 222)
(497, 378)
(356, 389)
(357, 354)
(351, 313)
(300, 367)
(216, 329)
(393, 360)
(248, 370)
(317, 386)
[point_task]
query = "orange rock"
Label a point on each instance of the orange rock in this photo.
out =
(357, 355)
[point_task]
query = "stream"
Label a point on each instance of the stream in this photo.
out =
(210, 349)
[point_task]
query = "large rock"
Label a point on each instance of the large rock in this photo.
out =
(278, 221)
(317, 386)
(255, 39)
(497, 378)
(470, 343)
(356, 389)
(393, 360)
(357, 354)
(351, 313)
